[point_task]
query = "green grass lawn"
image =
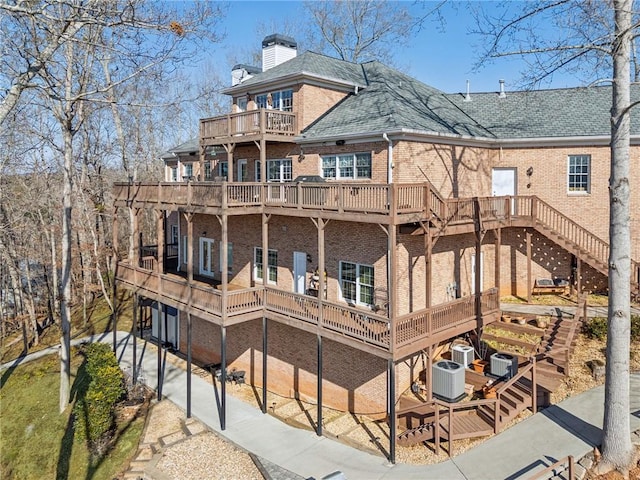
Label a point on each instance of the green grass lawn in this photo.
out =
(98, 321)
(38, 442)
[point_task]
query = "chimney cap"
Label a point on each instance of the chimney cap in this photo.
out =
(279, 39)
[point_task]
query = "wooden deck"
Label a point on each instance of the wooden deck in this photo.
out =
(357, 327)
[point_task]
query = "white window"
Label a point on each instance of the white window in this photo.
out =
(272, 265)
(185, 247)
(356, 283)
(281, 100)
(174, 174)
(174, 235)
(207, 171)
(258, 174)
(223, 169)
(279, 170)
(206, 256)
(188, 171)
(349, 166)
(229, 257)
(579, 174)
(242, 104)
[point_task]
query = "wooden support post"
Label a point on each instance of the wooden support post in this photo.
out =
(428, 261)
(189, 219)
(534, 385)
(436, 429)
(498, 237)
(391, 286)
(450, 436)
(161, 239)
(529, 286)
(428, 375)
(579, 275)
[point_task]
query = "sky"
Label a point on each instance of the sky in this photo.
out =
(442, 56)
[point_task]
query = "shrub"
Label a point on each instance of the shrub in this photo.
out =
(93, 411)
(597, 328)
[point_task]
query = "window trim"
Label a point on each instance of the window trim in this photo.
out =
(269, 266)
(587, 189)
(354, 166)
(358, 285)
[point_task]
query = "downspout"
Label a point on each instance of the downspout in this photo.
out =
(389, 158)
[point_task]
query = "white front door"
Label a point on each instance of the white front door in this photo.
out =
(503, 183)
(243, 173)
(299, 271)
(473, 272)
(206, 257)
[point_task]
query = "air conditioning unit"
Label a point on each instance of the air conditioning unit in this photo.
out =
(504, 365)
(462, 354)
(448, 381)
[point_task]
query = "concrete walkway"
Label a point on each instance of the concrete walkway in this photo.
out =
(569, 428)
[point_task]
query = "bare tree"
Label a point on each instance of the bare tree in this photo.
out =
(594, 40)
(58, 52)
(363, 30)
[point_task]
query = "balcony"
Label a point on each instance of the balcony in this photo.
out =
(366, 202)
(245, 127)
(359, 328)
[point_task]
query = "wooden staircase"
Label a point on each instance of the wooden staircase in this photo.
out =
(571, 236)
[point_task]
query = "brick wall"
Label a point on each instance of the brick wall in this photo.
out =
(352, 380)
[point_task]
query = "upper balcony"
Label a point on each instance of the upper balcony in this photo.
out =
(243, 127)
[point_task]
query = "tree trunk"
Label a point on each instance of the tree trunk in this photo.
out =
(617, 450)
(65, 303)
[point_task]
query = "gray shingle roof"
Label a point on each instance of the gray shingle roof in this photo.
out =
(392, 101)
(571, 112)
(187, 147)
(310, 63)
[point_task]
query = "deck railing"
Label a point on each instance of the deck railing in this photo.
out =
(359, 324)
(417, 325)
(384, 199)
(248, 123)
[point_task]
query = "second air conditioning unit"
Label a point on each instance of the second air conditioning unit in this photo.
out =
(504, 365)
(462, 354)
(448, 380)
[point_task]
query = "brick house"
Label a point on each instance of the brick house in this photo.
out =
(421, 208)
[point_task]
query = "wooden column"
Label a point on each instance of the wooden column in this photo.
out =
(578, 275)
(320, 224)
(160, 233)
(189, 218)
(498, 264)
(428, 267)
(479, 235)
(429, 373)
(263, 160)
(528, 236)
